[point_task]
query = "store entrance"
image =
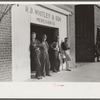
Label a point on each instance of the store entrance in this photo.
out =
(51, 33)
(84, 33)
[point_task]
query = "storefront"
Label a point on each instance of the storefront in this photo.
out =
(42, 19)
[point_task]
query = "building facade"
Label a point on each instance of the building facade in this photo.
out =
(42, 19)
(18, 21)
(17, 24)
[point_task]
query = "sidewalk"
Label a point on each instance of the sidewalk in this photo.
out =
(85, 72)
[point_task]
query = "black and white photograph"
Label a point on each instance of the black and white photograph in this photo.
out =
(50, 42)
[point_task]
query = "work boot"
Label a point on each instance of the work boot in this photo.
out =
(48, 74)
(68, 70)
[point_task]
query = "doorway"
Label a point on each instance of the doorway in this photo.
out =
(84, 33)
(98, 33)
(51, 33)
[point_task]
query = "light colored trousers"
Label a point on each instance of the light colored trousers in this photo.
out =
(66, 55)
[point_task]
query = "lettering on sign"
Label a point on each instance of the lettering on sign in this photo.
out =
(43, 17)
(42, 14)
(45, 21)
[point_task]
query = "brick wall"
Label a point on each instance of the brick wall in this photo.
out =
(5, 44)
(71, 34)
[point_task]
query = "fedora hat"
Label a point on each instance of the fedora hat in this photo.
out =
(44, 36)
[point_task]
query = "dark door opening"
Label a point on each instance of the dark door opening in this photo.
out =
(40, 29)
(84, 33)
(98, 34)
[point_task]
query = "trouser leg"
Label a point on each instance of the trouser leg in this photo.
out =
(42, 67)
(47, 63)
(67, 65)
(38, 68)
(97, 57)
(55, 60)
(58, 62)
(42, 64)
(47, 67)
(67, 60)
(38, 65)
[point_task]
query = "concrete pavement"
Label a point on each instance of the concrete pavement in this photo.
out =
(85, 72)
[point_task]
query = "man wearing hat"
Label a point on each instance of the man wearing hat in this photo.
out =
(45, 63)
(65, 48)
(55, 55)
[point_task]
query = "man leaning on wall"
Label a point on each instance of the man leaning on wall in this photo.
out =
(65, 48)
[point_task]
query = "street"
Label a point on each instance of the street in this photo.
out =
(85, 72)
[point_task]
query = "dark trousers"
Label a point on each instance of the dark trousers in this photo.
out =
(36, 61)
(56, 61)
(45, 63)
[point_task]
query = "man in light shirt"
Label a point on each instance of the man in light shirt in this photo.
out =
(65, 48)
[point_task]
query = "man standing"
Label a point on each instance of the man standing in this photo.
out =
(65, 47)
(55, 55)
(35, 55)
(45, 63)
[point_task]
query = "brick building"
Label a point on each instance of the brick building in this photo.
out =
(5, 43)
(17, 23)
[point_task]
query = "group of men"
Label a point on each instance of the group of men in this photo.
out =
(41, 58)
